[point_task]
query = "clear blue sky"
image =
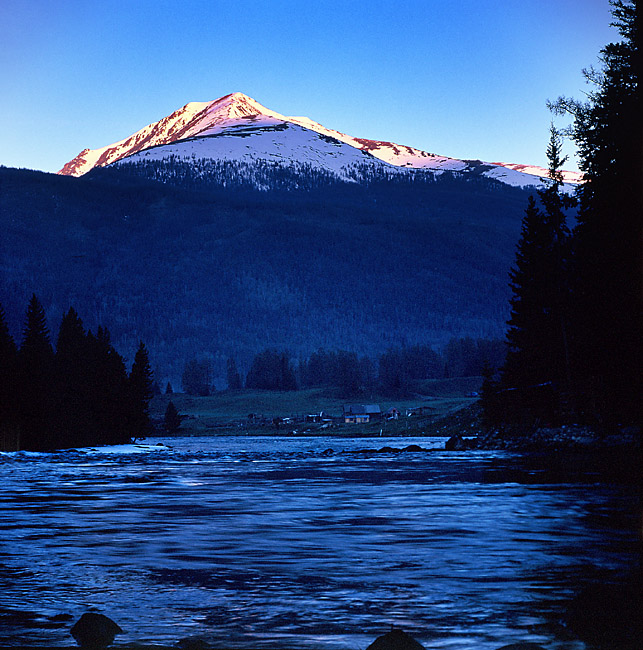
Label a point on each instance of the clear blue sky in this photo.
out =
(462, 78)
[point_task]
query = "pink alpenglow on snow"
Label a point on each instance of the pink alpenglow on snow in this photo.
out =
(236, 127)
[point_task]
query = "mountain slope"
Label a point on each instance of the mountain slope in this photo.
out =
(282, 144)
(237, 115)
(201, 269)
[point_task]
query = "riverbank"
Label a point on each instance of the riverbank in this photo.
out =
(448, 412)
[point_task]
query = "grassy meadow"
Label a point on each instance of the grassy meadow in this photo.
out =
(445, 406)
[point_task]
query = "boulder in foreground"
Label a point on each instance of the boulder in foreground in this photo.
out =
(395, 640)
(95, 631)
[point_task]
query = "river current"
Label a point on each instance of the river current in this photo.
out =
(303, 543)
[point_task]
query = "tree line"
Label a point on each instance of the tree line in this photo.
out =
(77, 393)
(395, 373)
(574, 337)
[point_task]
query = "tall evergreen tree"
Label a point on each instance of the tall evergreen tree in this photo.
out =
(171, 419)
(537, 365)
(141, 382)
(74, 414)
(607, 240)
(109, 391)
(35, 376)
(36, 342)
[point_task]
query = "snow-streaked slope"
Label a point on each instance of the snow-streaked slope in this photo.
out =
(195, 118)
(236, 127)
(280, 144)
(534, 170)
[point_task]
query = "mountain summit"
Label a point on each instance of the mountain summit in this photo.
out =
(236, 127)
(194, 119)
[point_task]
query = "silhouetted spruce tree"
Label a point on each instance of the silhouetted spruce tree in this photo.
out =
(233, 376)
(35, 376)
(109, 392)
(168, 389)
(171, 419)
(74, 414)
(8, 358)
(537, 365)
(606, 278)
(141, 383)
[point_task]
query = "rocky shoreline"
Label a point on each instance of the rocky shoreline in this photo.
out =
(564, 438)
(465, 431)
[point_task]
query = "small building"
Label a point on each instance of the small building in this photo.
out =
(361, 413)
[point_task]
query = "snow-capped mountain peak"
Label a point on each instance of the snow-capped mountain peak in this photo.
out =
(237, 114)
(192, 120)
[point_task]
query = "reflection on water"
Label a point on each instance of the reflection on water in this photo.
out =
(253, 542)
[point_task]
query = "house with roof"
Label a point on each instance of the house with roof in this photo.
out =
(361, 413)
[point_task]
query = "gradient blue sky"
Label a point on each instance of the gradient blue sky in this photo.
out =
(461, 78)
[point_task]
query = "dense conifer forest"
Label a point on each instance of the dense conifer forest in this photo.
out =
(574, 338)
(77, 393)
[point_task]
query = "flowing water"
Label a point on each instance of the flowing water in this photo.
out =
(307, 543)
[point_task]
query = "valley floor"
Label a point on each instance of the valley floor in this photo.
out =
(256, 412)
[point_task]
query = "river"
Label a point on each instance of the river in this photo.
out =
(303, 543)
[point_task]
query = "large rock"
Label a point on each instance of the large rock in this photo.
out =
(95, 631)
(395, 640)
(455, 443)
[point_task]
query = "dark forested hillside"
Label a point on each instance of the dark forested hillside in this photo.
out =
(206, 265)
